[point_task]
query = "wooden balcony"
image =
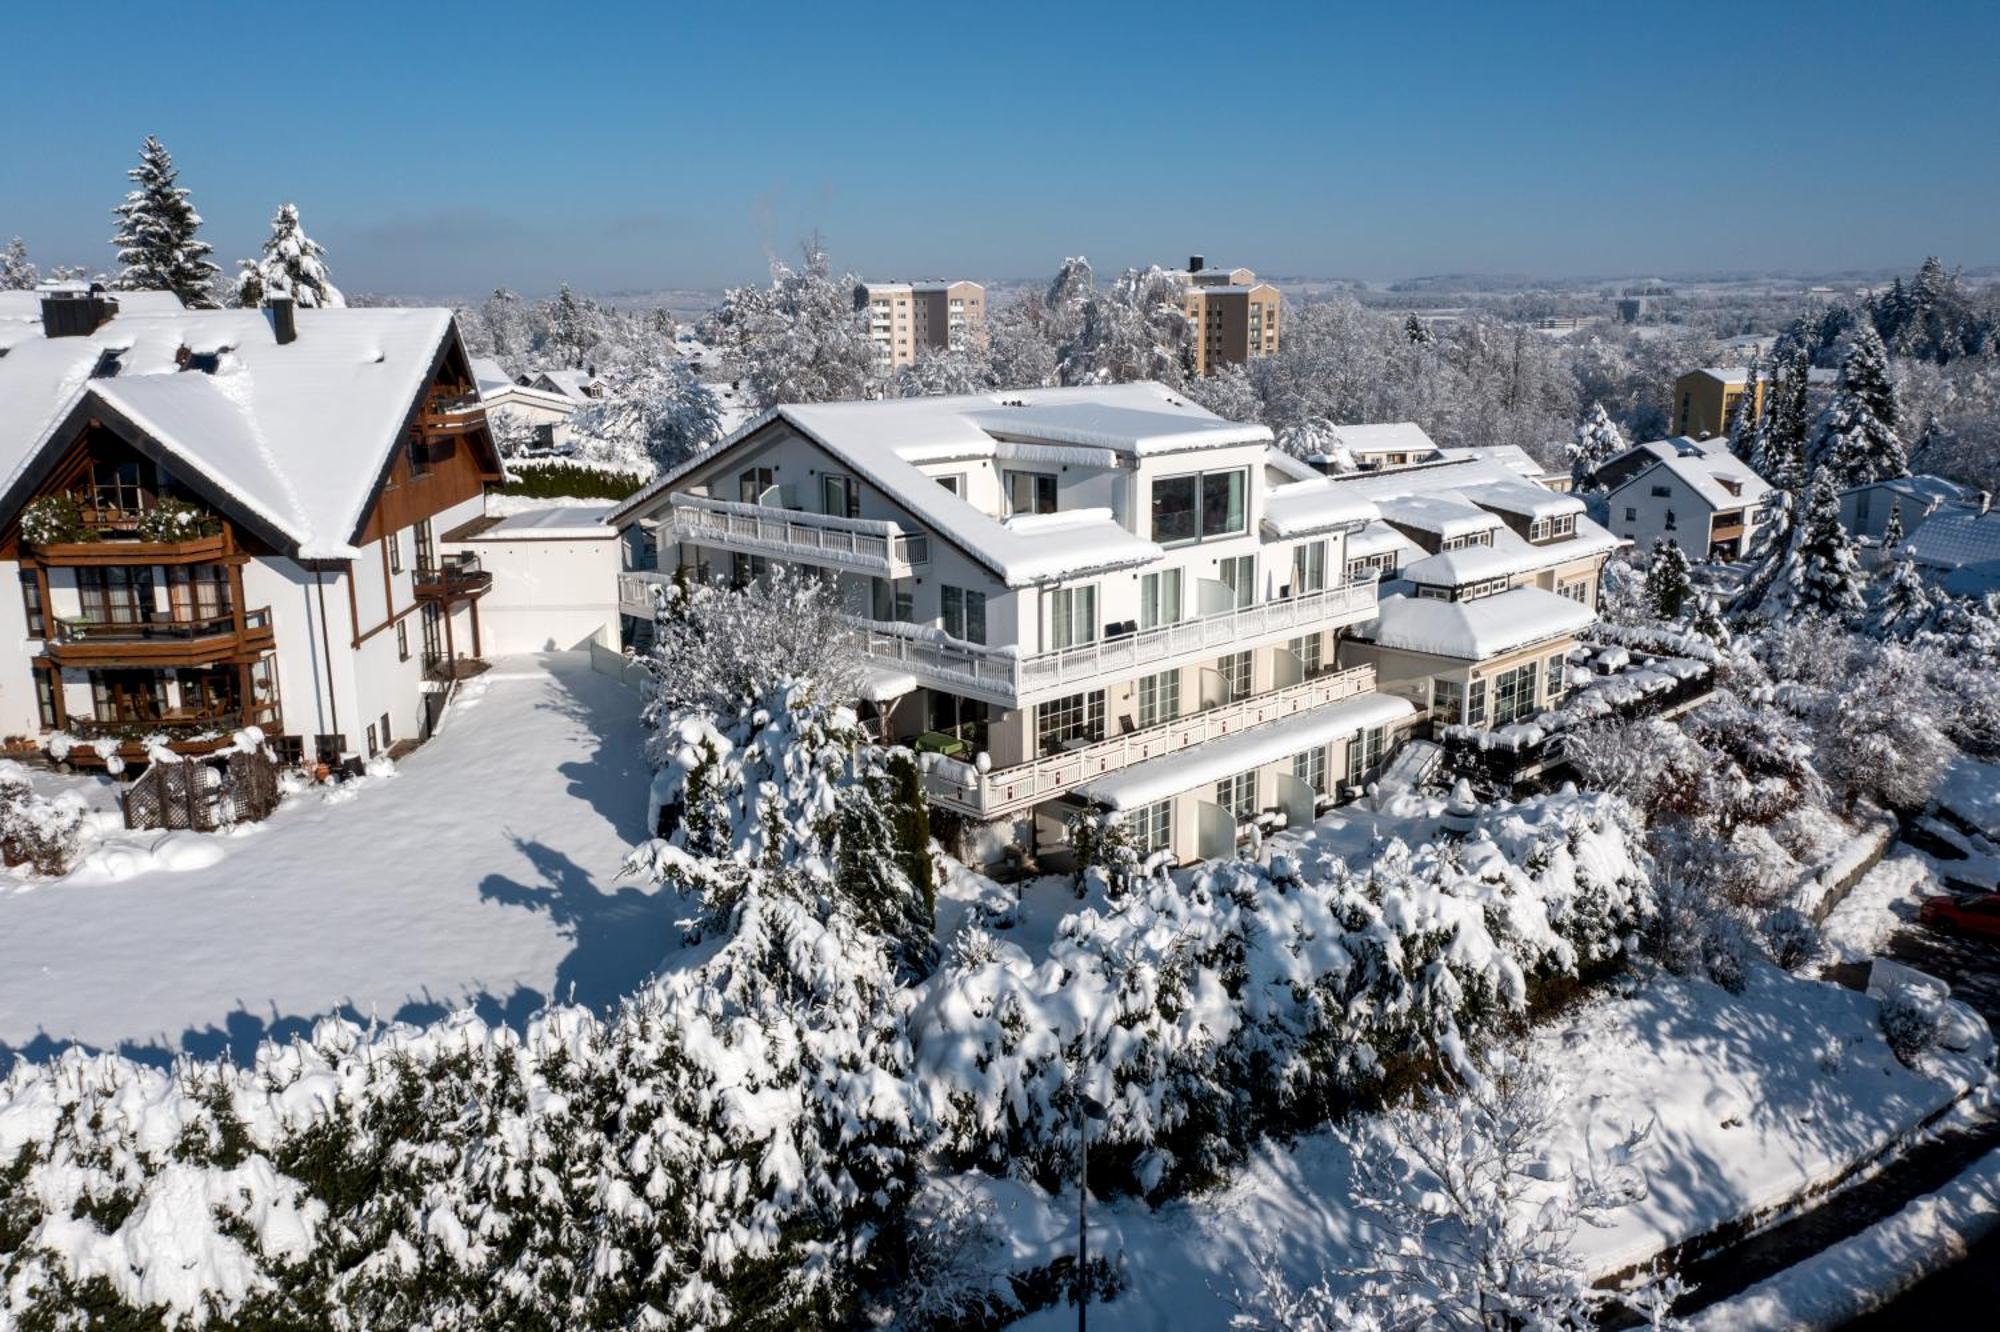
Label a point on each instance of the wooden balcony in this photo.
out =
(188, 732)
(150, 640)
(122, 545)
(451, 416)
(455, 578)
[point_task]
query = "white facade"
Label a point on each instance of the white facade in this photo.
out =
(1693, 493)
(555, 578)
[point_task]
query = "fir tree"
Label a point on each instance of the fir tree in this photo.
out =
(16, 273)
(1707, 621)
(1780, 457)
(1892, 531)
(293, 264)
(1906, 606)
(1597, 442)
(1744, 418)
(1418, 332)
(157, 246)
(1856, 436)
(1667, 583)
(1822, 575)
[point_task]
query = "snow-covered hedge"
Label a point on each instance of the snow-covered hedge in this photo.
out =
(1249, 999)
(35, 830)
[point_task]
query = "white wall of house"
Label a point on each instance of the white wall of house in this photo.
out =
(1642, 514)
(19, 713)
(549, 594)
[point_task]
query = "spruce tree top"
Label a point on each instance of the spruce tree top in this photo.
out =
(157, 246)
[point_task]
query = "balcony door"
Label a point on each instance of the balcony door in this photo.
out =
(128, 696)
(117, 488)
(433, 635)
(116, 593)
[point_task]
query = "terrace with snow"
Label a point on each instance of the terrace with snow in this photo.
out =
(1110, 597)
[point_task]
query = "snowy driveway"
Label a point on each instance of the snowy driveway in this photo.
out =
(482, 872)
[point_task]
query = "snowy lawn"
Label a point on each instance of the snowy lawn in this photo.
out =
(481, 872)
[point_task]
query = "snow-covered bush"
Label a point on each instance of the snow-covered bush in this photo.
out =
(35, 830)
(1912, 1019)
(53, 519)
(1792, 938)
(171, 519)
(1105, 853)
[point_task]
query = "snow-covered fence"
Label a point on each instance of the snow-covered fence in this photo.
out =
(203, 794)
(611, 662)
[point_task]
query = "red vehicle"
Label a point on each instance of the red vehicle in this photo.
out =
(1970, 915)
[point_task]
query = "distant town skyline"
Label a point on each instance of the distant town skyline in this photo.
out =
(631, 147)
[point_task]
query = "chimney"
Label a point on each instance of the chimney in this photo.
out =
(1196, 263)
(278, 309)
(71, 310)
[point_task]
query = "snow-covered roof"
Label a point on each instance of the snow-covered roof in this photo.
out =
(297, 433)
(885, 441)
(1510, 456)
(1475, 630)
(1442, 515)
(569, 383)
(1706, 466)
(556, 522)
(1509, 556)
(1957, 540)
(1379, 538)
(1385, 437)
(1170, 774)
(490, 378)
(1297, 469)
(1523, 498)
(1304, 507)
(1924, 488)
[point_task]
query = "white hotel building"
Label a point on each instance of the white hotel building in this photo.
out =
(1094, 596)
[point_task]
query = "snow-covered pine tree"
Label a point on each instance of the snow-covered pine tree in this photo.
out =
(1855, 438)
(16, 273)
(157, 246)
(1744, 419)
(1822, 575)
(802, 338)
(1597, 441)
(1418, 332)
(1780, 457)
(1892, 531)
(293, 264)
(1905, 607)
(1667, 582)
(1707, 621)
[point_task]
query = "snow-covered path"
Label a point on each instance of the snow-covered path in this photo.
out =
(482, 872)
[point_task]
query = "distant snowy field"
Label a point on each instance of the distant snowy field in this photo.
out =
(481, 872)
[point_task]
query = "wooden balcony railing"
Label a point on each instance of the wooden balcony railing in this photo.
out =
(144, 638)
(452, 416)
(454, 578)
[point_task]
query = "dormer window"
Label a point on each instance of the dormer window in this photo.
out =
(1031, 492)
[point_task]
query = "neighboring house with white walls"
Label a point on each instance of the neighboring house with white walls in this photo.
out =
(1865, 510)
(1692, 492)
(554, 577)
(224, 518)
(541, 414)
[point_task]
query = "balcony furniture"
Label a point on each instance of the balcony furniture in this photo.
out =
(942, 742)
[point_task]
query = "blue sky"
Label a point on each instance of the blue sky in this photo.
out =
(439, 149)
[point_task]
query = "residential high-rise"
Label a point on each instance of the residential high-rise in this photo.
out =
(1235, 316)
(906, 317)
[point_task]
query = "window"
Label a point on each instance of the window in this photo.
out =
(964, 613)
(1309, 568)
(1031, 492)
(31, 598)
(1159, 698)
(371, 740)
(1160, 599)
(1200, 505)
(1558, 674)
(419, 452)
(1310, 768)
(116, 593)
(1576, 591)
(1308, 651)
(402, 640)
(1514, 694)
(117, 486)
(1152, 827)
(45, 699)
(839, 497)
(1475, 703)
(394, 542)
(1661, 492)
(1383, 566)
(955, 483)
(747, 569)
(1072, 616)
(1069, 723)
(1238, 573)
(426, 548)
(1447, 701)
(386, 741)
(1238, 796)
(753, 482)
(891, 600)
(1364, 754)
(1631, 514)
(1237, 671)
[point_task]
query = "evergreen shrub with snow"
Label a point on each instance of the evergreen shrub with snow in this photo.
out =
(1912, 1019)
(36, 830)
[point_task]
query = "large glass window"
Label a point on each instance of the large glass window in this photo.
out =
(753, 482)
(1174, 508)
(1223, 511)
(1159, 698)
(1558, 675)
(31, 599)
(1238, 796)
(1160, 598)
(1447, 701)
(964, 613)
(1514, 694)
(1066, 723)
(1031, 492)
(1238, 573)
(116, 594)
(892, 600)
(1308, 651)
(1309, 568)
(1309, 767)
(1237, 670)
(839, 497)
(1364, 754)
(1152, 827)
(1072, 616)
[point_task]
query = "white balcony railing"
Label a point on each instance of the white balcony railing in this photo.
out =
(951, 664)
(852, 543)
(991, 794)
